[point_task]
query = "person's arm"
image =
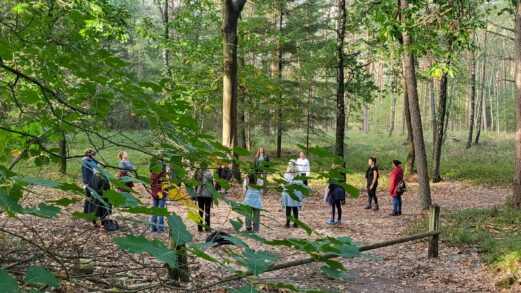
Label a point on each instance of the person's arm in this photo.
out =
(326, 193)
(375, 176)
(392, 182)
(308, 168)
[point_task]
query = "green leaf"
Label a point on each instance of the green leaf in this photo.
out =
(87, 216)
(9, 203)
(64, 202)
(41, 275)
(153, 211)
(140, 244)
(241, 151)
(115, 198)
(335, 273)
(7, 283)
(178, 229)
(51, 184)
(44, 211)
(258, 262)
(237, 225)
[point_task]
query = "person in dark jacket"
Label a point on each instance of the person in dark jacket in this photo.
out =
(335, 196)
(395, 178)
(204, 197)
(371, 176)
(88, 169)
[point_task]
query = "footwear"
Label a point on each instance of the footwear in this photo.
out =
(295, 226)
(287, 225)
(393, 214)
(400, 213)
(339, 222)
(368, 207)
(330, 222)
(376, 208)
(248, 229)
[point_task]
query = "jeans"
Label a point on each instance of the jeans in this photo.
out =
(256, 220)
(371, 195)
(204, 203)
(159, 225)
(397, 204)
(338, 205)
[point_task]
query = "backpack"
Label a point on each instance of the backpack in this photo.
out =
(110, 225)
(401, 188)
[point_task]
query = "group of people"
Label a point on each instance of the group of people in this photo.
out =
(292, 197)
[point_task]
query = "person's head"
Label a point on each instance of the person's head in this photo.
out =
(396, 163)
(261, 151)
(122, 155)
(89, 152)
(371, 161)
(252, 179)
(302, 155)
(292, 167)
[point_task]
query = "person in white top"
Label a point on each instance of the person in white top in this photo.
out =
(303, 167)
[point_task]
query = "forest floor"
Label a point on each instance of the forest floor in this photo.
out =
(399, 268)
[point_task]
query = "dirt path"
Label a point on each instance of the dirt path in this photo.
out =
(401, 268)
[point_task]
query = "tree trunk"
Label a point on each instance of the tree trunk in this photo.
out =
(181, 273)
(231, 11)
(279, 72)
(366, 118)
(63, 154)
(308, 118)
(440, 127)
(409, 164)
(482, 114)
(340, 112)
(516, 198)
(432, 96)
(166, 35)
(393, 106)
(414, 107)
(472, 92)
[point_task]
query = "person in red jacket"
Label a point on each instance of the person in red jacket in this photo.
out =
(158, 196)
(396, 177)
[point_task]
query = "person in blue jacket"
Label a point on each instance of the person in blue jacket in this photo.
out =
(253, 199)
(88, 170)
(335, 196)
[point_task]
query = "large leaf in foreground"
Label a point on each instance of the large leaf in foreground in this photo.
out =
(7, 283)
(140, 244)
(40, 275)
(178, 230)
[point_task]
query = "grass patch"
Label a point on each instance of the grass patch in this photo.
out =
(495, 232)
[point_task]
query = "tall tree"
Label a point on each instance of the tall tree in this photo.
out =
(472, 96)
(340, 90)
(231, 11)
(482, 114)
(516, 198)
(414, 107)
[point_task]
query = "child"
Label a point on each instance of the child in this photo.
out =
(371, 176)
(290, 204)
(336, 197)
(253, 199)
(158, 197)
(204, 198)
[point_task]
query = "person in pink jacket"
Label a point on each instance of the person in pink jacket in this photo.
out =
(396, 177)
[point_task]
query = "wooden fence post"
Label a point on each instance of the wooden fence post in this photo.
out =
(434, 225)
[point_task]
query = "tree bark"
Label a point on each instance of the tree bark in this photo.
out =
(409, 163)
(414, 108)
(516, 197)
(279, 73)
(472, 92)
(231, 11)
(166, 35)
(482, 118)
(63, 154)
(432, 99)
(393, 106)
(340, 91)
(440, 127)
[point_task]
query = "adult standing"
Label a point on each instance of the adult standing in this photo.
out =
(88, 170)
(303, 167)
(204, 198)
(260, 159)
(158, 196)
(395, 178)
(371, 176)
(124, 167)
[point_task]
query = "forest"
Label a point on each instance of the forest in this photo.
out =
(260, 146)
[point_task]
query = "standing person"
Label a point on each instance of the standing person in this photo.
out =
(124, 167)
(158, 197)
(395, 178)
(88, 169)
(223, 171)
(290, 204)
(253, 199)
(260, 158)
(204, 198)
(303, 167)
(335, 196)
(371, 175)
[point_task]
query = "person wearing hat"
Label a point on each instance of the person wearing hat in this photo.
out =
(292, 202)
(88, 169)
